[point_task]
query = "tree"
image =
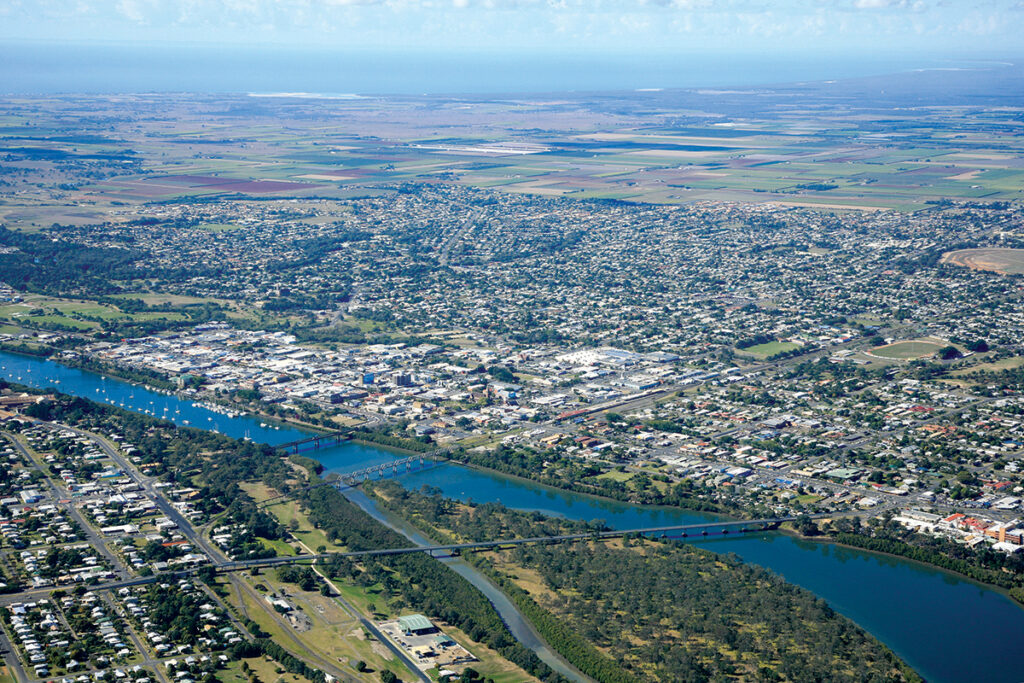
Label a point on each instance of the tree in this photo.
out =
(806, 526)
(949, 353)
(386, 676)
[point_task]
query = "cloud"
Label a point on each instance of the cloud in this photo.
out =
(131, 11)
(781, 25)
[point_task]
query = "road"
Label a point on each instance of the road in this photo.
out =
(146, 484)
(370, 627)
(446, 249)
(94, 538)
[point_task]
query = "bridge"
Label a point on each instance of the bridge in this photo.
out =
(392, 468)
(681, 531)
(352, 479)
(684, 531)
(316, 442)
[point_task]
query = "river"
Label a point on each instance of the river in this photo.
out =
(948, 628)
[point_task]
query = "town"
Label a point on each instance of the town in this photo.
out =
(728, 340)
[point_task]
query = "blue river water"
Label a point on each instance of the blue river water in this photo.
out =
(45, 374)
(948, 628)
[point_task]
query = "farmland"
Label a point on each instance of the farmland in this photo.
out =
(783, 151)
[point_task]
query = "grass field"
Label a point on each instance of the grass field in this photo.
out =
(807, 499)
(907, 350)
(995, 366)
(71, 313)
(289, 512)
(168, 299)
(265, 670)
(771, 348)
(614, 475)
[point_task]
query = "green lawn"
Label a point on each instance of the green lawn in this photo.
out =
(771, 348)
(995, 366)
(279, 546)
(906, 350)
(615, 475)
(807, 498)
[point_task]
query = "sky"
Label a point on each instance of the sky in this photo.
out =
(963, 27)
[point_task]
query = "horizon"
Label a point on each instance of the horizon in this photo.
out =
(105, 67)
(485, 46)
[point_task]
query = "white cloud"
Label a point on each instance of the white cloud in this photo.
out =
(131, 10)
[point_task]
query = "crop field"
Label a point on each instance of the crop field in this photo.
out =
(1006, 261)
(907, 350)
(795, 154)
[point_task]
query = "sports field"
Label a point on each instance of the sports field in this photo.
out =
(771, 348)
(907, 350)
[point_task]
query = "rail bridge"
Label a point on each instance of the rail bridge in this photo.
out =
(317, 442)
(392, 468)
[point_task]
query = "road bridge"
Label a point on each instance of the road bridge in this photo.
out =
(391, 468)
(682, 531)
(695, 531)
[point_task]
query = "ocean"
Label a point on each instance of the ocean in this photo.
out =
(35, 68)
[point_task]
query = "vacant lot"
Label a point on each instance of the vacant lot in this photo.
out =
(1006, 261)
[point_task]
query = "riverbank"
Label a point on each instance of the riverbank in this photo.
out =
(992, 579)
(596, 567)
(566, 645)
(503, 461)
(908, 552)
(509, 612)
(160, 382)
(929, 617)
(166, 386)
(26, 350)
(712, 514)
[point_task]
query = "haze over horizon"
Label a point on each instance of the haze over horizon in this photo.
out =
(418, 46)
(853, 26)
